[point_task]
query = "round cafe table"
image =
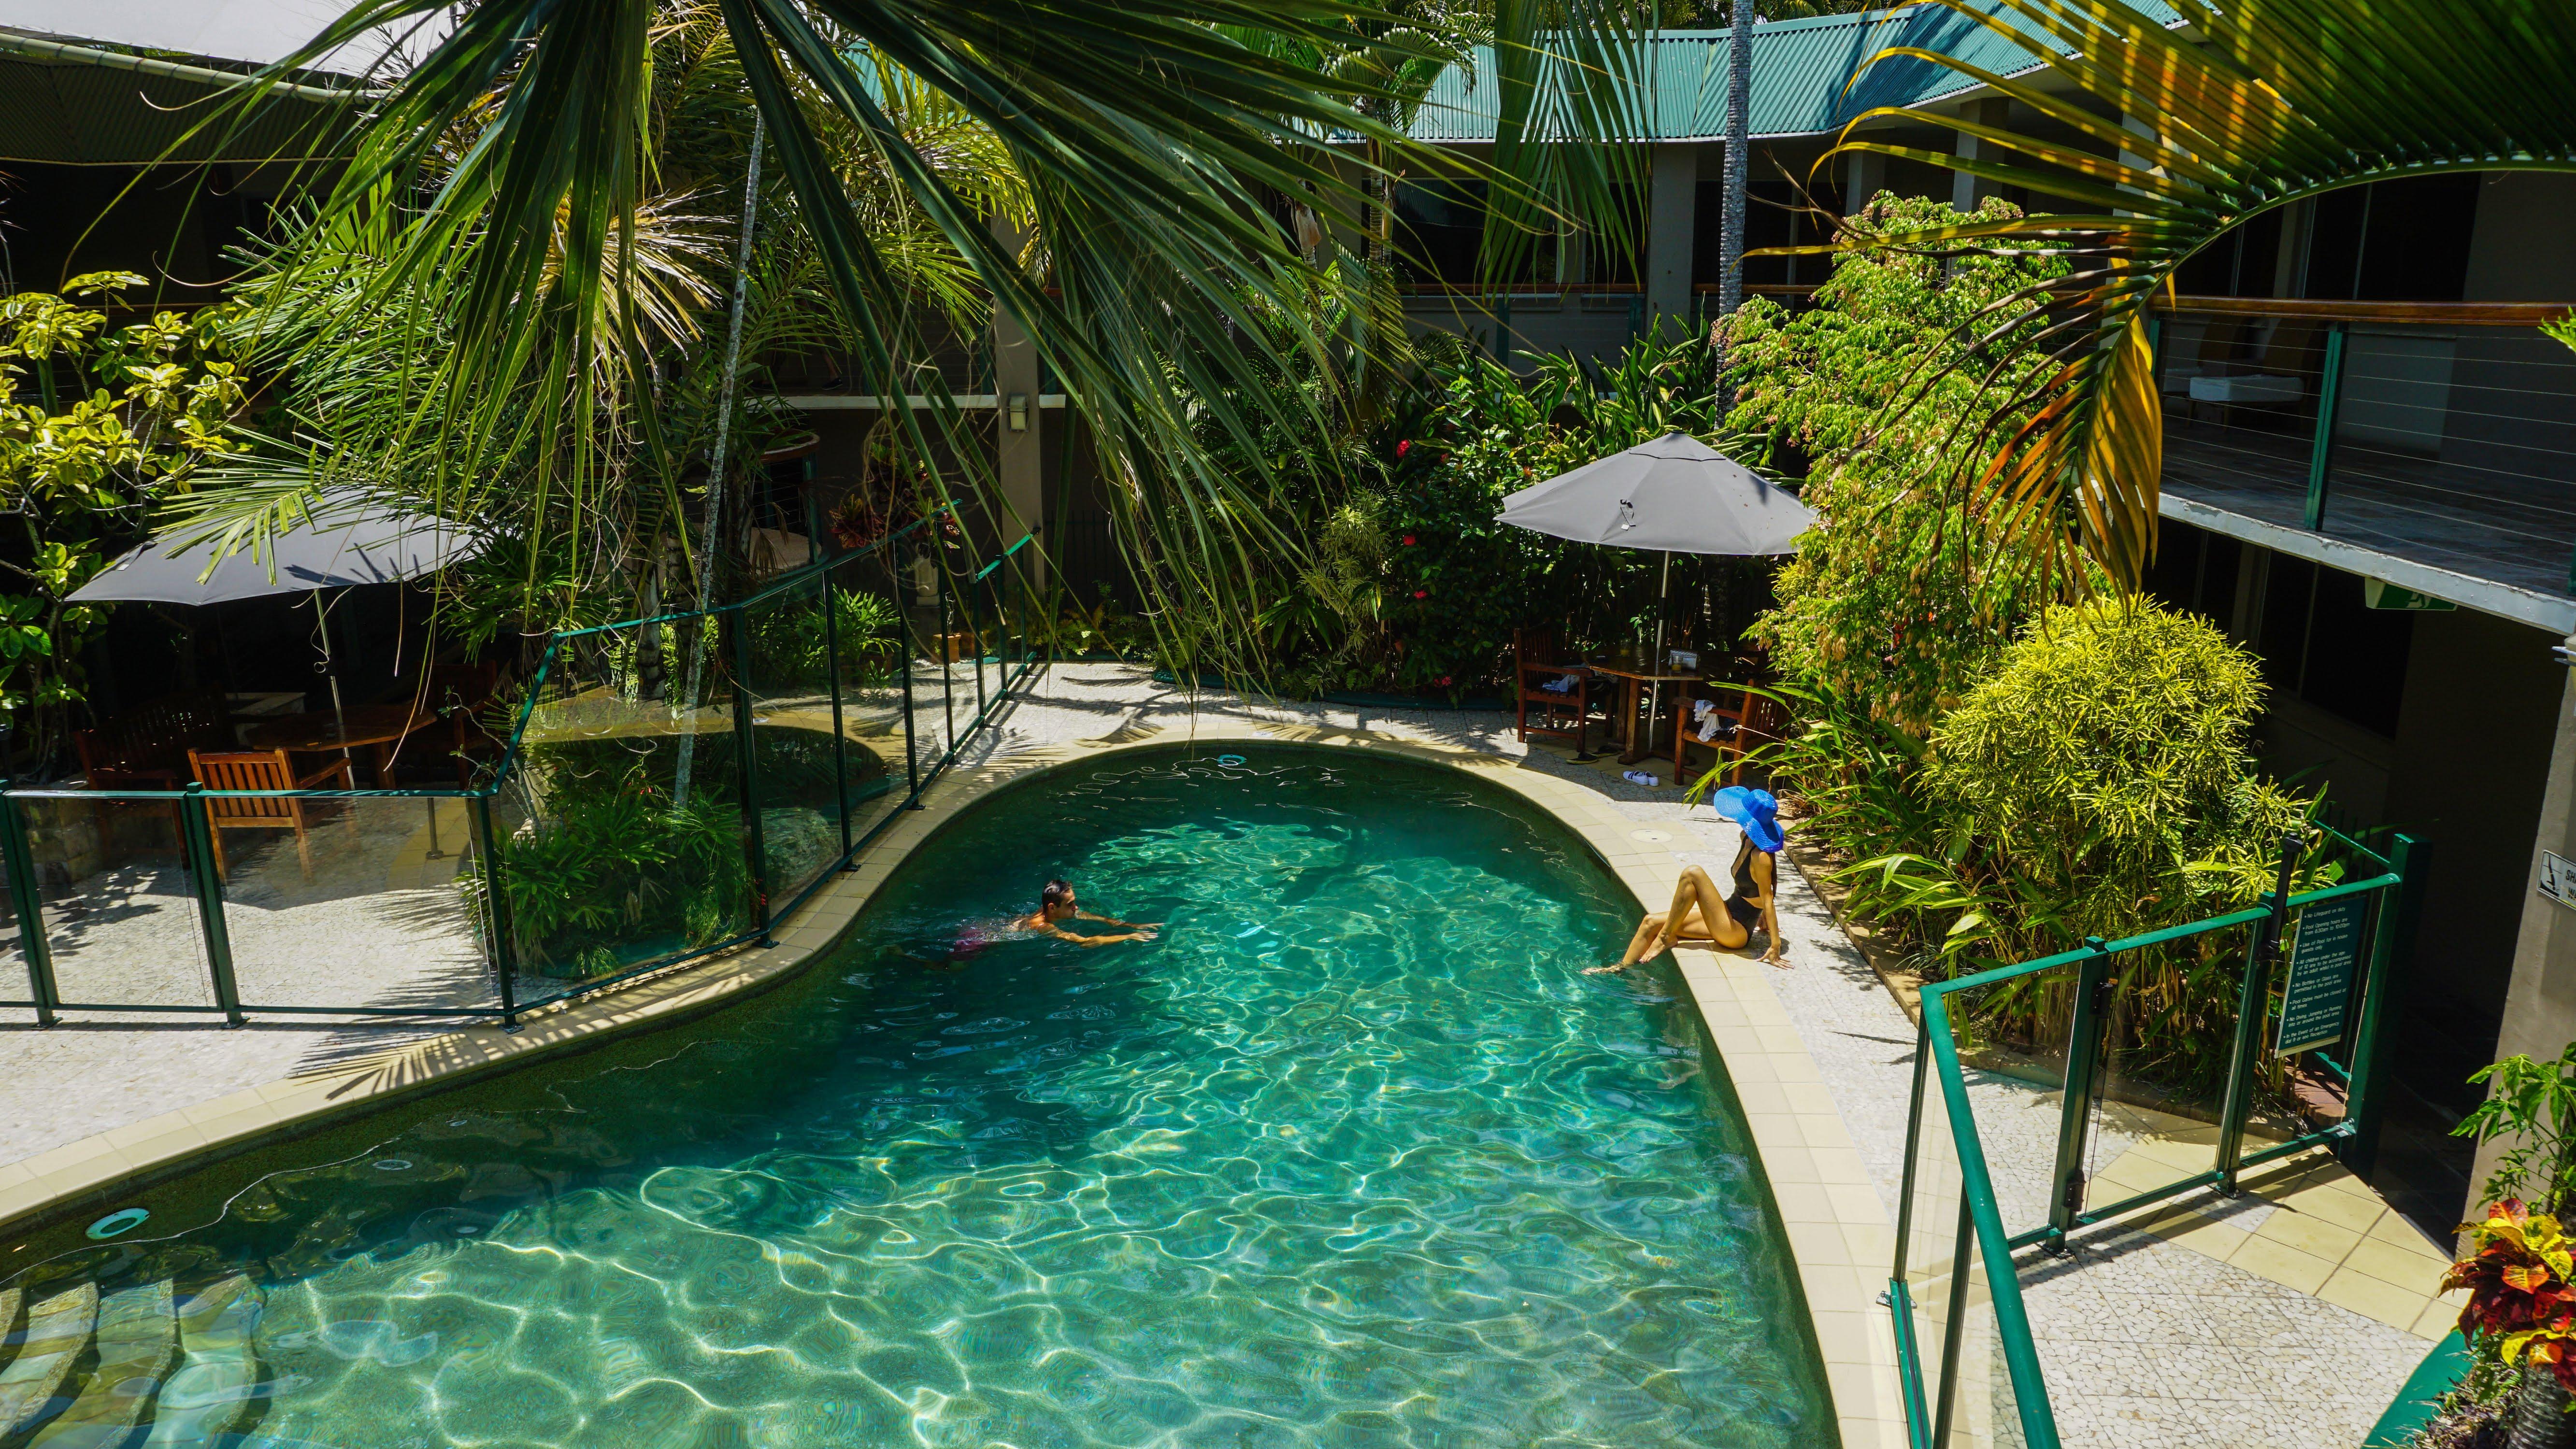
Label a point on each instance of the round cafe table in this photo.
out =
(1635, 674)
(380, 727)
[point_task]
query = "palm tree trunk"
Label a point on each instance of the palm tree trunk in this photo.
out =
(708, 536)
(2540, 1419)
(1739, 148)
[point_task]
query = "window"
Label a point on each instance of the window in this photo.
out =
(2393, 241)
(2323, 644)
(2195, 571)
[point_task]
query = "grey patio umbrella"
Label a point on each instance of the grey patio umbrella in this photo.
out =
(1674, 495)
(345, 540)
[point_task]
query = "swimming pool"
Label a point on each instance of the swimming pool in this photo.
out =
(1353, 1154)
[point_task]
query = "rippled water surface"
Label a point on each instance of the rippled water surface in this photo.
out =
(1353, 1155)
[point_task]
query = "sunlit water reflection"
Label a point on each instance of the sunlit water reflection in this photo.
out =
(1352, 1155)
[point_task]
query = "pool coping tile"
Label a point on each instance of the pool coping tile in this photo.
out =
(1837, 1224)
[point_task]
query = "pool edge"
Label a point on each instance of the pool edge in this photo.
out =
(1836, 1229)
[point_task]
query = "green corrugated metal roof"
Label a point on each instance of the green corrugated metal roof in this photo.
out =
(84, 115)
(1800, 68)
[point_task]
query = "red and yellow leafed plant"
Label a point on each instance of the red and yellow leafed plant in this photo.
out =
(2518, 1282)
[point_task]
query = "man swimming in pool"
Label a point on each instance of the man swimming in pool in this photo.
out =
(1701, 913)
(1057, 903)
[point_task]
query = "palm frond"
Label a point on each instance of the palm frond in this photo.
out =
(2228, 114)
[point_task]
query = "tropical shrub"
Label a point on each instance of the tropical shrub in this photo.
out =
(790, 650)
(2101, 772)
(609, 870)
(2530, 1105)
(117, 422)
(1894, 602)
(1461, 582)
(2520, 1305)
(2097, 782)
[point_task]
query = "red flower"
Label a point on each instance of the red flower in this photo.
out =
(1422, 593)
(1408, 540)
(1404, 447)
(1444, 681)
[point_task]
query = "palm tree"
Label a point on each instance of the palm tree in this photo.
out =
(2193, 130)
(1146, 141)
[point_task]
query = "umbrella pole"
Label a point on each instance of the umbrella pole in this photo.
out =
(1655, 688)
(339, 720)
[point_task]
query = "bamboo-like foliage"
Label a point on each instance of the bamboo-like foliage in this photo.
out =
(2186, 131)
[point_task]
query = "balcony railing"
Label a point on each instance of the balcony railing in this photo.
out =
(1588, 319)
(2442, 434)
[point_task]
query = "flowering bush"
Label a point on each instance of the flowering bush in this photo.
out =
(2519, 1299)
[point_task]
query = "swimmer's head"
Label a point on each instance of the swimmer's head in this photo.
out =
(1056, 899)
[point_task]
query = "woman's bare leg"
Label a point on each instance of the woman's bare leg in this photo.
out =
(1696, 893)
(1698, 914)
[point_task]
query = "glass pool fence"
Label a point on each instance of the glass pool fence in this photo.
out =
(662, 789)
(2094, 1084)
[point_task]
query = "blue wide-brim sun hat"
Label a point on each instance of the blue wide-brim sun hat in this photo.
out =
(1754, 810)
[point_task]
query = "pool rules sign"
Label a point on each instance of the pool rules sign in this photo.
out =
(2322, 957)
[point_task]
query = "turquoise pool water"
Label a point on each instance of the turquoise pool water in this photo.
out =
(1352, 1155)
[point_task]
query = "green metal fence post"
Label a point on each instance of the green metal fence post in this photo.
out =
(2321, 447)
(840, 741)
(1913, 1146)
(29, 903)
(903, 613)
(1946, 1396)
(2366, 1096)
(975, 631)
(2075, 1107)
(947, 667)
(197, 847)
(755, 842)
(2260, 952)
(505, 955)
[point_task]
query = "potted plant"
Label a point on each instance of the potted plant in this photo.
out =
(2518, 1269)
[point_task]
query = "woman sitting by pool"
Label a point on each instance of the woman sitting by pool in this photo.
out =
(1700, 912)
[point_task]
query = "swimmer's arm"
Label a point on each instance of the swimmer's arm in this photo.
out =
(1061, 934)
(1114, 921)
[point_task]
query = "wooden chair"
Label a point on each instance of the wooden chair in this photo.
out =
(1726, 705)
(261, 770)
(1746, 722)
(148, 748)
(1537, 661)
(455, 693)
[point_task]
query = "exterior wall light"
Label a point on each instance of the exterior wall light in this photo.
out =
(1019, 412)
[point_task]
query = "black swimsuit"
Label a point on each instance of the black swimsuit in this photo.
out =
(1744, 911)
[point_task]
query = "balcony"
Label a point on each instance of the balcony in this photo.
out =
(1591, 320)
(2438, 438)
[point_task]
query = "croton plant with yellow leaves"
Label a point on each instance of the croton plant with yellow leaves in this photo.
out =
(2517, 1275)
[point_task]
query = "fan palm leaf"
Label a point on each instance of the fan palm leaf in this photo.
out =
(1135, 150)
(2183, 132)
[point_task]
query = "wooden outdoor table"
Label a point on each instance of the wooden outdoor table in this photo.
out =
(1634, 674)
(380, 726)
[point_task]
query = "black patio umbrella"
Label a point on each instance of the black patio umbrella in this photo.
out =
(345, 540)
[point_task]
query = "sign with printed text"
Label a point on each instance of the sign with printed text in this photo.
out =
(2322, 956)
(2558, 879)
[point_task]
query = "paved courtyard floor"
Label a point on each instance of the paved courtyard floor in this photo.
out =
(2286, 1319)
